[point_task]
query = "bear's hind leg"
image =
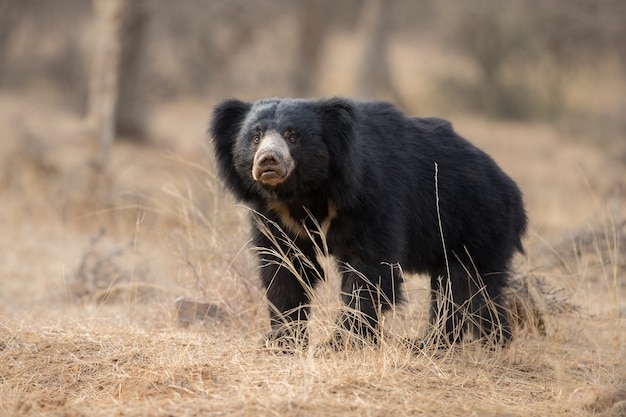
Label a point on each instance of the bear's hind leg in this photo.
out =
(490, 322)
(468, 301)
(450, 295)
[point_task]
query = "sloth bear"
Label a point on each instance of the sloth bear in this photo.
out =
(382, 193)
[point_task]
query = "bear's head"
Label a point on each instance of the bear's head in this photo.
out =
(281, 148)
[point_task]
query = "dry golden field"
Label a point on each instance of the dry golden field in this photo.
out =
(90, 269)
(91, 266)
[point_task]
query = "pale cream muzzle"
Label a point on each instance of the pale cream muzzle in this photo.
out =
(272, 161)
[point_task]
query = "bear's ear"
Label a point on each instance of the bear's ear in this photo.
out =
(226, 123)
(339, 125)
(340, 121)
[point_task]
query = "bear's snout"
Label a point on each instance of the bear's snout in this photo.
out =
(269, 167)
(272, 161)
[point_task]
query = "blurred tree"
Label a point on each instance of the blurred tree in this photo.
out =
(311, 27)
(374, 78)
(103, 87)
(130, 115)
(525, 50)
(10, 13)
(117, 91)
(493, 37)
(203, 38)
(574, 33)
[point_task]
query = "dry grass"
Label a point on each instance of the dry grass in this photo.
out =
(88, 324)
(109, 365)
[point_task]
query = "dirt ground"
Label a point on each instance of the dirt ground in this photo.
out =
(91, 266)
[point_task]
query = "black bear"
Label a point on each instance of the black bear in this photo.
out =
(388, 193)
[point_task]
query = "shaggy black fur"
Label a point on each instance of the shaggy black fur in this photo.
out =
(390, 193)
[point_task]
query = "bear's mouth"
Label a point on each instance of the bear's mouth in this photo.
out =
(271, 176)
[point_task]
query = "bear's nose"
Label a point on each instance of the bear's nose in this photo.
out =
(268, 159)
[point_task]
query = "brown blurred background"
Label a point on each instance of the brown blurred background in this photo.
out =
(561, 61)
(104, 106)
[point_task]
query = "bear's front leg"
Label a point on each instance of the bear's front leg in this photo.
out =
(289, 308)
(289, 275)
(366, 296)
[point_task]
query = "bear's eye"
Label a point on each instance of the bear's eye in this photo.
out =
(256, 138)
(292, 138)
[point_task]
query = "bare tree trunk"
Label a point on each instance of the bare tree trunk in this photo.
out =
(374, 79)
(311, 34)
(104, 77)
(11, 12)
(130, 112)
